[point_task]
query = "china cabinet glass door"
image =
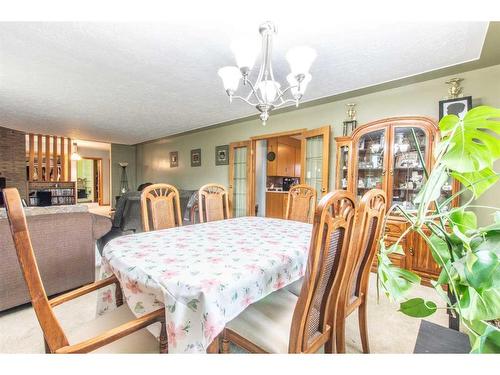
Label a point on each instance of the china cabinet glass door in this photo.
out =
(407, 172)
(343, 167)
(239, 165)
(370, 171)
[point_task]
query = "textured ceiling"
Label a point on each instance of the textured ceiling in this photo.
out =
(132, 82)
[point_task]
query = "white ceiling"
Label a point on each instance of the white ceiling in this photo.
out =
(132, 82)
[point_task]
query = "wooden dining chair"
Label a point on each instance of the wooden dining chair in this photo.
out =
(160, 207)
(301, 203)
(121, 331)
(367, 232)
(285, 323)
(213, 203)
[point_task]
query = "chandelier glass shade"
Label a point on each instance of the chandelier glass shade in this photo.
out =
(266, 94)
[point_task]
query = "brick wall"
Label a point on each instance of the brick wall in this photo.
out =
(13, 159)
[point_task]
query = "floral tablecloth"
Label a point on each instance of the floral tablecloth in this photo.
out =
(205, 274)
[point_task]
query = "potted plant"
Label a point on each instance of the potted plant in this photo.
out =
(467, 254)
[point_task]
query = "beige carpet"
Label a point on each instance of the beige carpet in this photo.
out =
(390, 331)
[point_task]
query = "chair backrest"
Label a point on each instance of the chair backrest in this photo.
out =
(368, 227)
(332, 231)
(54, 335)
(301, 203)
(213, 203)
(160, 207)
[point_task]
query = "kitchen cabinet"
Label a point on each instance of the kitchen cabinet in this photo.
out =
(297, 162)
(287, 157)
(286, 160)
(272, 146)
(276, 204)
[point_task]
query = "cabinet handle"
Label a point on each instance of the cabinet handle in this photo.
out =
(391, 172)
(323, 190)
(383, 172)
(410, 250)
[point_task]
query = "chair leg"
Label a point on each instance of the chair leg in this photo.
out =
(340, 334)
(118, 295)
(363, 327)
(225, 343)
(329, 346)
(163, 338)
(47, 348)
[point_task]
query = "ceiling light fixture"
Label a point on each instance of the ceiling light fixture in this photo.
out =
(266, 94)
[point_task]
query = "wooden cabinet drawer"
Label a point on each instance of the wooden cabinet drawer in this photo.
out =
(394, 229)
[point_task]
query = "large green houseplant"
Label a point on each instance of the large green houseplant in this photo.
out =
(468, 254)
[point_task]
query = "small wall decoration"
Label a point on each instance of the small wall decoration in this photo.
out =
(196, 158)
(222, 155)
(174, 159)
(456, 106)
(350, 121)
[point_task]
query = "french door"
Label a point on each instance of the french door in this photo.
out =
(315, 151)
(240, 178)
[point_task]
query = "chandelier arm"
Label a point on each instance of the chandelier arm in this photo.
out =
(254, 92)
(291, 101)
(245, 100)
(284, 92)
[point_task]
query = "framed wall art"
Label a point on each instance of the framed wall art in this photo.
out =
(196, 158)
(174, 159)
(222, 155)
(457, 106)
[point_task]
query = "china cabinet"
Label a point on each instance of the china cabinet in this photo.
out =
(384, 154)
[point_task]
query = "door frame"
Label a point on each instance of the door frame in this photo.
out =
(304, 132)
(250, 175)
(99, 177)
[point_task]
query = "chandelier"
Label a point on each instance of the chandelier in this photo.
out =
(265, 93)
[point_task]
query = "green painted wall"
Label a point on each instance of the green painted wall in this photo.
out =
(415, 99)
(120, 153)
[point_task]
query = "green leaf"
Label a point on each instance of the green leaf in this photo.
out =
(489, 340)
(439, 250)
(448, 122)
(483, 270)
(432, 188)
(480, 306)
(394, 281)
(477, 181)
(471, 147)
(418, 308)
(464, 220)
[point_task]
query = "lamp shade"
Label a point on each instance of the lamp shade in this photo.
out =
(292, 80)
(245, 52)
(300, 59)
(230, 78)
(268, 90)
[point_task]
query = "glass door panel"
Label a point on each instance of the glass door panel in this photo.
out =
(343, 168)
(371, 169)
(315, 159)
(407, 171)
(238, 178)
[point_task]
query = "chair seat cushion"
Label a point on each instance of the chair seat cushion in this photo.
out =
(267, 322)
(295, 287)
(141, 341)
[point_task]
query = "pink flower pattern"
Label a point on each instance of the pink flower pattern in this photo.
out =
(204, 274)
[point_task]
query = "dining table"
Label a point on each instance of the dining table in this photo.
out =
(204, 274)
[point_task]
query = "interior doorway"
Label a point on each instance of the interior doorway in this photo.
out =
(89, 180)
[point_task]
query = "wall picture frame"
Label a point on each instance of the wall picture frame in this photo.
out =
(196, 157)
(222, 155)
(456, 106)
(174, 159)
